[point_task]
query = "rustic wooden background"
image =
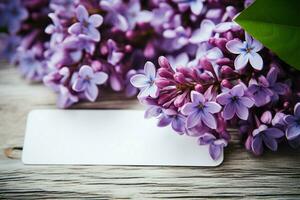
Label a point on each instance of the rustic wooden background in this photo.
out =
(272, 176)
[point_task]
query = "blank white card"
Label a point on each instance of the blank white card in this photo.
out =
(107, 137)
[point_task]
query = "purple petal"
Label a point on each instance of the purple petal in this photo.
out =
(289, 119)
(209, 120)
(248, 39)
(242, 111)
(86, 71)
(215, 151)
(75, 29)
(257, 145)
(139, 81)
(274, 133)
(212, 107)
(153, 91)
(188, 108)
(203, 33)
(79, 85)
(246, 101)
(116, 82)
(256, 61)
(197, 97)
(91, 92)
(266, 117)
(297, 110)
(206, 138)
(229, 111)
(94, 34)
(292, 132)
(81, 13)
(224, 98)
(196, 7)
(178, 124)
(100, 78)
(193, 120)
(241, 61)
(150, 71)
(237, 90)
(272, 76)
(256, 45)
(96, 20)
(152, 111)
(235, 46)
(164, 121)
(270, 142)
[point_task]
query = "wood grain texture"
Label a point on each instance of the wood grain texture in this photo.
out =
(272, 176)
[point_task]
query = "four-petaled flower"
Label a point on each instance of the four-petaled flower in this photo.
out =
(146, 81)
(235, 102)
(86, 25)
(177, 120)
(260, 91)
(200, 110)
(196, 6)
(215, 145)
(87, 81)
(265, 135)
(293, 123)
(247, 51)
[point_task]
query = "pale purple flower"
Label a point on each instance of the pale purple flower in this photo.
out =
(264, 135)
(152, 111)
(203, 33)
(293, 123)
(56, 30)
(179, 35)
(181, 60)
(236, 102)
(80, 42)
(86, 25)
(260, 91)
(87, 82)
(215, 145)
(9, 44)
(162, 16)
(56, 78)
(196, 6)
(226, 26)
(65, 98)
(169, 116)
(114, 56)
(200, 111)
(247, 51)
(146, 81)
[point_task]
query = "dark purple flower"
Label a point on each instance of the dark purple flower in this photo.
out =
(277, 87)
(86, 25)
(260, 91)
(87, 81)
(235, 102)
(215, 145)
(200, 110)
(293, 123)
(264, 135)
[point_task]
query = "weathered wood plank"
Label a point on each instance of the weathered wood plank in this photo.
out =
(273, 176)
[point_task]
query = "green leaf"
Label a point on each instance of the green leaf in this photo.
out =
(276, 24)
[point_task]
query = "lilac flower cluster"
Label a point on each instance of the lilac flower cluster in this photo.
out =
(220, 77)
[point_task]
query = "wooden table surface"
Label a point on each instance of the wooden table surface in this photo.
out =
(242, 175)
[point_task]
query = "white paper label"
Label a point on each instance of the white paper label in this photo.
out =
(107, 137)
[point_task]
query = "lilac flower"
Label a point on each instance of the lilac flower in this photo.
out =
(276, 87)
(215, 145)
(235, 102)
(65, 98)
(12, 13)
(56, 78)
(86, 25)
(293, 123)
(199, 110)
(247, 51)
(80, 42)
(172, 117)
(114, 56)
(152, 111)
(130, 90)
(9, 44)
(87, 82)
(179, 35)
(56, 30)
(260, 91)
(264, 135)
(203, 33)
(195, 5)
(146, 82)
(180, 60)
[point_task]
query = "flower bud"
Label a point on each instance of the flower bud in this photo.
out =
(226, 83)
(227, 71)
(163, 72)
(162, 82)
(199, 88)
(163, 62)
(266, 117)
(179, 77)
(206, 64)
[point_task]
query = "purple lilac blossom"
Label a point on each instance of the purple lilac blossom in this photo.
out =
(293, 123)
